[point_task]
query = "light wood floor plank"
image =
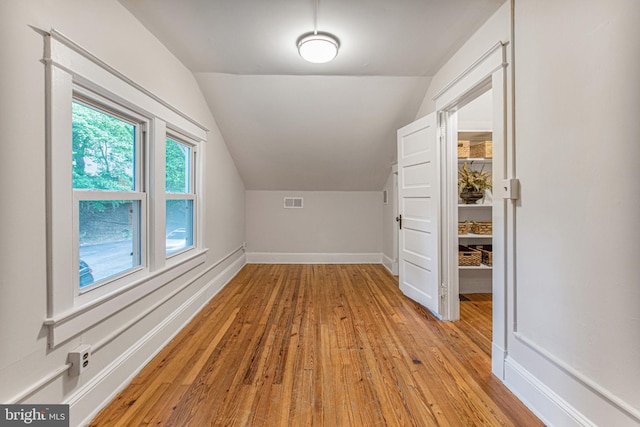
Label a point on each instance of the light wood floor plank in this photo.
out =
(321, 345)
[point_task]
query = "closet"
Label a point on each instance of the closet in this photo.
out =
(474, 163)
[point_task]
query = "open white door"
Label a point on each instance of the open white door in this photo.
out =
(418, 194)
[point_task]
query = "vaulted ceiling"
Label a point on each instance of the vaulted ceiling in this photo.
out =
(293, 125)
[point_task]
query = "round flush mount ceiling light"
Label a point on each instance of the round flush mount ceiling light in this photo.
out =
(318, 47)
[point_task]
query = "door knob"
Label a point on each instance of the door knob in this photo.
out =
(399, 220)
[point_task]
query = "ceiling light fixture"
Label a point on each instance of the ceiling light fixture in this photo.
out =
(318, 47)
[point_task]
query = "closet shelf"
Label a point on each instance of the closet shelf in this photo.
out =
(474, 160)
(475, 267)
(474, 236)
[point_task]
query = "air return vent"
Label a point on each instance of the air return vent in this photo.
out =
(293, 202)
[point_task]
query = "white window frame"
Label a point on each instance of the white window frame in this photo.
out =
(192, 194)
(73, 71)
(139, 194)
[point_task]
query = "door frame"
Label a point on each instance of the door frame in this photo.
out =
(396, 230)
(488, 71)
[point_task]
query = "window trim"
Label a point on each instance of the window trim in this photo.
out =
(66, 325)
(71, 70)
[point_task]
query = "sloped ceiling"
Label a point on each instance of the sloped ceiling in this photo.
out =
(292, 125)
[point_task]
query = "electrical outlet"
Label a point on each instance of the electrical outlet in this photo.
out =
(80, 358)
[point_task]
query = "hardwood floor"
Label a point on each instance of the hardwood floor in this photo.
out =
(321, 345)
(475, 319)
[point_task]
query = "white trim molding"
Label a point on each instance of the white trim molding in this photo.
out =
(578, 377)
(390, 264)
(471, 68)
(547, 405)
(69, 324)
(75, 47)
(313, 258)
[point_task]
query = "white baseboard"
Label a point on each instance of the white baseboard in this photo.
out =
(544, 402)
(498, 356)
(313, 258)
(584, 402)
(88, 400)
(390, 264)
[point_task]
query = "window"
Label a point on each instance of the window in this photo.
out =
(180, 197)
(109, 200)
(122, 202)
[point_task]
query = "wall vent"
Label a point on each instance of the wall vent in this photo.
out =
(293, 202)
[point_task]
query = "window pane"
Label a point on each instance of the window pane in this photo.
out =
(179, 225)
(103, 154)
(178, 165)
(109, 239)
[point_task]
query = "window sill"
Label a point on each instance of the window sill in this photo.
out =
(73, 322)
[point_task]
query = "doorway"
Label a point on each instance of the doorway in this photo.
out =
(474, 218)
(467, 124)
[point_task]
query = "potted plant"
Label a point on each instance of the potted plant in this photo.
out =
(472, 183)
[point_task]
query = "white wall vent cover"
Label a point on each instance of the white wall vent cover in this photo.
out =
(293, 202)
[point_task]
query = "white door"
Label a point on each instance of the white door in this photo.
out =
(418, 194)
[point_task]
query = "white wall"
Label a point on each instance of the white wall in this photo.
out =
(572, 307)
(495, 29)
(578, 229)
(107, 30)
(333, 226)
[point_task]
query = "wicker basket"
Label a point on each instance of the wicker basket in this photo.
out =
(468, 257)
(479, 227)
(481, 150)
(464, 227)
(463, 149)
(486, 252)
